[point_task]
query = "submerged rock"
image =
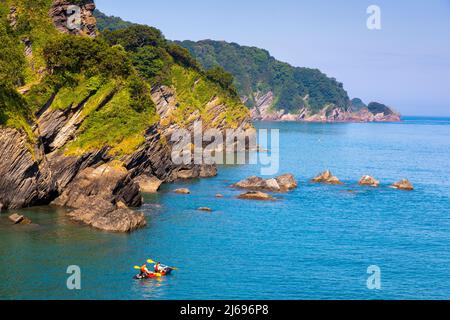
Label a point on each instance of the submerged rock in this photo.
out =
(148, 184)
(327, 177)
(182, 191)
(282, 183)
(403, 185)
(205, 209)
(19, 219)
(369, 181)
(16, 218)
(256, 195)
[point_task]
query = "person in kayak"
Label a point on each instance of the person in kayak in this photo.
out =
(144, 272)
(158, 268)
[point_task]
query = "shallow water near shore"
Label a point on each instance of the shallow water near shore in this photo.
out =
(313, 243)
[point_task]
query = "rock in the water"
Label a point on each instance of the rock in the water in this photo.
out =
(403, 185)
(256, 195)
(287, 182)
(105, 216)
(208, 171)
(219, 195)
(101, 197)
(205, 209)
(327, 177)
(16, 218)
(283, 183)
(182, 191)
(19, 219)
(369, 181)
(148, 184)
(109, 182)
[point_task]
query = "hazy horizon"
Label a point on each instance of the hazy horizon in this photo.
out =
(405, 65)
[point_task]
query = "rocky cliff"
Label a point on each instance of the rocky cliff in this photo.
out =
(374, 112)
(74, 17)
(88, 142)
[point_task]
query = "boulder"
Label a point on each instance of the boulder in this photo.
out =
(208, 171)
(282, 183)
(101, 198)
(256, 195)
(369, 181)
(109, 182)
(182, 191)
(16, 218)
(105, 216)
(186, 174)
(327, 177)
(148, 184)
(19, 219)
(205, 209)
(403, 185)
(287, 182)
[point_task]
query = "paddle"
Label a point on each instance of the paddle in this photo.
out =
(153, 262)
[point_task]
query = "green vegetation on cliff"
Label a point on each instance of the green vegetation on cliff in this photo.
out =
(110, 22)
(249, 71)
(255, 71)
(106, 80)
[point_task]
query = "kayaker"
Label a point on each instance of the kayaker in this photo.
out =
(158, 267)
(144, 271)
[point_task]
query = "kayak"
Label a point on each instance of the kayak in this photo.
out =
(165, 272)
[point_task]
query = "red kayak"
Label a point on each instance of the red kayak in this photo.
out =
(153, 275)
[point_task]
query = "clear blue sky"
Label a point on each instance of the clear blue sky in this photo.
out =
(405, 65)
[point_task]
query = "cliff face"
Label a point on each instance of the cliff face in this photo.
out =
(74, 18)
(57, 158)
(375, 112)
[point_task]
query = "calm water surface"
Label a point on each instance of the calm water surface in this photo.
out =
(314, 243)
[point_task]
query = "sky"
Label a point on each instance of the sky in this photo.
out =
(405, 65)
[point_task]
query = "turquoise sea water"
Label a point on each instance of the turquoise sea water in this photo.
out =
(314, 243)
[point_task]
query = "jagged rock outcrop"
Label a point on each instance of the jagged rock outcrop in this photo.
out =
(101, 197)
(403, 185)
(148, 184)
(327, 177)
(104, 215)
(38, 170)
(282, 183)
(74, 17)
(110, 182)
(25, 178)
(369, 181)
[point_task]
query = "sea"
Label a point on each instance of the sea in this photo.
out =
(316, 242)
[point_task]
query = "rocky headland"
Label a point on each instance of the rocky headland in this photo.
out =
(45, 161)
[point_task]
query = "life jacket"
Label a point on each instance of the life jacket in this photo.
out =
(144, 269)
(157, 267)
